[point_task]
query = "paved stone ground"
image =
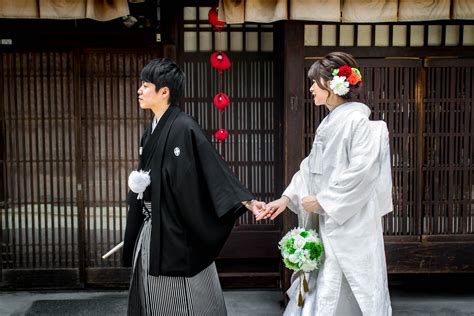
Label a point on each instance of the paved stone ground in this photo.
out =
(239, 303)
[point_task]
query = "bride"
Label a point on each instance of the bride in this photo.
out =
(345, 185)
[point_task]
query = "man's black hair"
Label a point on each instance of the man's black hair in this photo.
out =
(163, 72)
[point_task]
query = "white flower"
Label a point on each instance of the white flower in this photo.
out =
(296, 232)
(299, 242)
(299, 253)
(138, 181)
(293, 258)
(339, 85)
(309, 266)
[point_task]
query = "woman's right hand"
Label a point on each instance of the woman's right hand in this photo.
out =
(273, 209)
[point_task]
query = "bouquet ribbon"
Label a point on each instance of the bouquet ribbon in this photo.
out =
(303, 284)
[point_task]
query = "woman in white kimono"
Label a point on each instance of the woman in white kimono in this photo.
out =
(346, 182)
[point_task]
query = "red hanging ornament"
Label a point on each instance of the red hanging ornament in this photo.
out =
(222, 134)
(214, 19)
(221, 101)
(220, 61)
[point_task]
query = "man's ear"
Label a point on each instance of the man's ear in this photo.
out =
(164, 91)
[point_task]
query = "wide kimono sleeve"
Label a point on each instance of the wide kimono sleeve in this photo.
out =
(351, 188)
(135, 219)
(216, 182)
(298, 187)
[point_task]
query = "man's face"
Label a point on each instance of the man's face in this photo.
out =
(149, 98)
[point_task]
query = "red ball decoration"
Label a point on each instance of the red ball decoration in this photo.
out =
(220, 61)
(214, 20)
(222, 134)
(221, 101)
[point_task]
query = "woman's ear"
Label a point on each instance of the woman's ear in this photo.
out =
(327, 83)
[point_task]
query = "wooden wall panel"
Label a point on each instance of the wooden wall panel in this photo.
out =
(448, 167)
(112, 125)
(39, 216)
(250, 119)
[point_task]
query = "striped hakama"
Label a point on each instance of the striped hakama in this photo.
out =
(166, 295)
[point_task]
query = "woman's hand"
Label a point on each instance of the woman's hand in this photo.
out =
(310, 204)
(273, 209)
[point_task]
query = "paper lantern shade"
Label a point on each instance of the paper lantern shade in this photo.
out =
(220, 61)
(214, 20)
(222, 134)
(221, 101)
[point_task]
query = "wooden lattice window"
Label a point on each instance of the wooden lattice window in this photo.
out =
(390, 35)
(448, 165)
(199, 35)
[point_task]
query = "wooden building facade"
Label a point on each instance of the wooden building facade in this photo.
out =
(70, 124)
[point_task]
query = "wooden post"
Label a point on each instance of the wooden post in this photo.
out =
(420, 175)
(291, 44)
(3, 195)
(171, 21)
(79, 169)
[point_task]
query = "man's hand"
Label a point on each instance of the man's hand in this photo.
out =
(274, 208)
(310, 204)
(257, 207)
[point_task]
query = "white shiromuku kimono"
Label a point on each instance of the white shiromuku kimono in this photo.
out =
(348, 170)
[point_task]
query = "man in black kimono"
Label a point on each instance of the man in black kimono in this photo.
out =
(178, 227)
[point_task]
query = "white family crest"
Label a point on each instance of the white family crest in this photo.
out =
(177, 151)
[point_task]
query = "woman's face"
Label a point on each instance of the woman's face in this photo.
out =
(320, 96)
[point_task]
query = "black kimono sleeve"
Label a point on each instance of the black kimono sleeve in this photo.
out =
(216, 180)
(196, 199)
(135, 219)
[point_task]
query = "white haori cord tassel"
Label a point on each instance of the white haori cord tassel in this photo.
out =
(138, 181)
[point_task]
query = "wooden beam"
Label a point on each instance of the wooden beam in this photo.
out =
(261, 244)
(430, 257)
(40, 279)
(383, 52)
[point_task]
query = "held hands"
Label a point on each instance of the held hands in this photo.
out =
(256, 207)
(273, 209)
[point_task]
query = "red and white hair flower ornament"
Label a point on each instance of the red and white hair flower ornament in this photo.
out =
(343, 78)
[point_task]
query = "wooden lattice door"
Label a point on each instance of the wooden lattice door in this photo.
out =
(250, 258)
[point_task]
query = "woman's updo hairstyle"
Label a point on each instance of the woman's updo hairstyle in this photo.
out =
(326, 66)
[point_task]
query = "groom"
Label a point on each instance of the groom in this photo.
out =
(176, 231)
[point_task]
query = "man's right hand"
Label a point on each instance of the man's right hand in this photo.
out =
(273, 209)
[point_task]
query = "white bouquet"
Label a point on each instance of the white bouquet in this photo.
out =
(302, 251)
